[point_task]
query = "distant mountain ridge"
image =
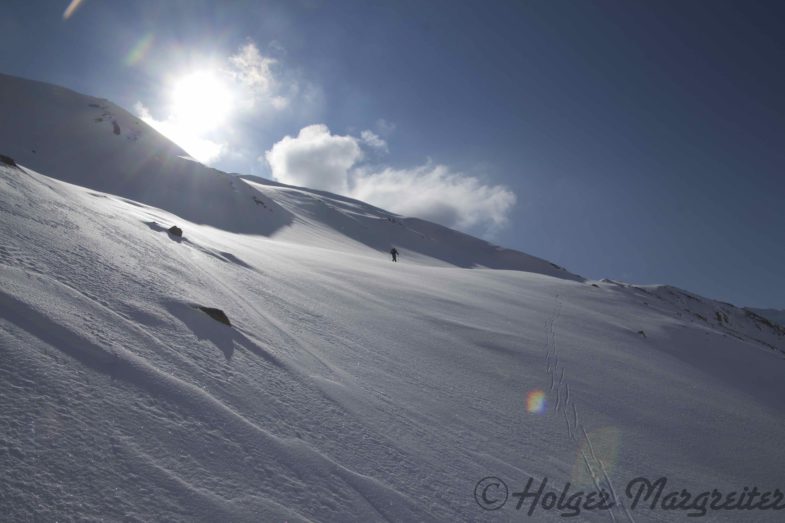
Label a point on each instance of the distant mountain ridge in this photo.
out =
(775, 315)
(73, 137)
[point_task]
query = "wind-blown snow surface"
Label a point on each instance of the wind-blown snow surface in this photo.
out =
(348, 388)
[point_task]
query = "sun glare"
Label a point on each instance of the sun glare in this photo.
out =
(201, 101)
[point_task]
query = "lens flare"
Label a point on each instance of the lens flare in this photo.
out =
(597, 455)
(73, 6)
(535, 402)
(139, 50)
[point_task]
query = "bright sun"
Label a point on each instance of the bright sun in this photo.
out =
(201, 101)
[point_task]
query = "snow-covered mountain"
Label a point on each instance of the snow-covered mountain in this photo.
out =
(774, 315)
(347, 388)
(93, 143)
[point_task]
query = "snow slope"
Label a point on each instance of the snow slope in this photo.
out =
(94, 143)
(775, 315)
(348, 388)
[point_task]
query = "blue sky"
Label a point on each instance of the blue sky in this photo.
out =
(629, 140)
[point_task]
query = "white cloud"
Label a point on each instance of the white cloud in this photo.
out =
(318, 159)
(315, 158)
(434, 192)
(279, 102)
(384, 127)
(253, 69)
(373, 140)
(259, 79)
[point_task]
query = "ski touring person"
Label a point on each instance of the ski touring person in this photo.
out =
(394, 254)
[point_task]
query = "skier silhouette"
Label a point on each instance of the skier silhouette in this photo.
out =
(394, 253)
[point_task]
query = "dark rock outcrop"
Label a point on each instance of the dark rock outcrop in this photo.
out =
(7, 160)
(216, 314)
(174, 230)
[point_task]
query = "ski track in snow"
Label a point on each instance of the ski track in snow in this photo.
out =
(348, 388)
(602, 481)
(335, 398)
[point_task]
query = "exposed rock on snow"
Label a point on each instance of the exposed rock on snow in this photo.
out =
(7, 160)
(216, 314)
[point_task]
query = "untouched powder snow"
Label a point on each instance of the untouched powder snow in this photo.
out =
(348, 388)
